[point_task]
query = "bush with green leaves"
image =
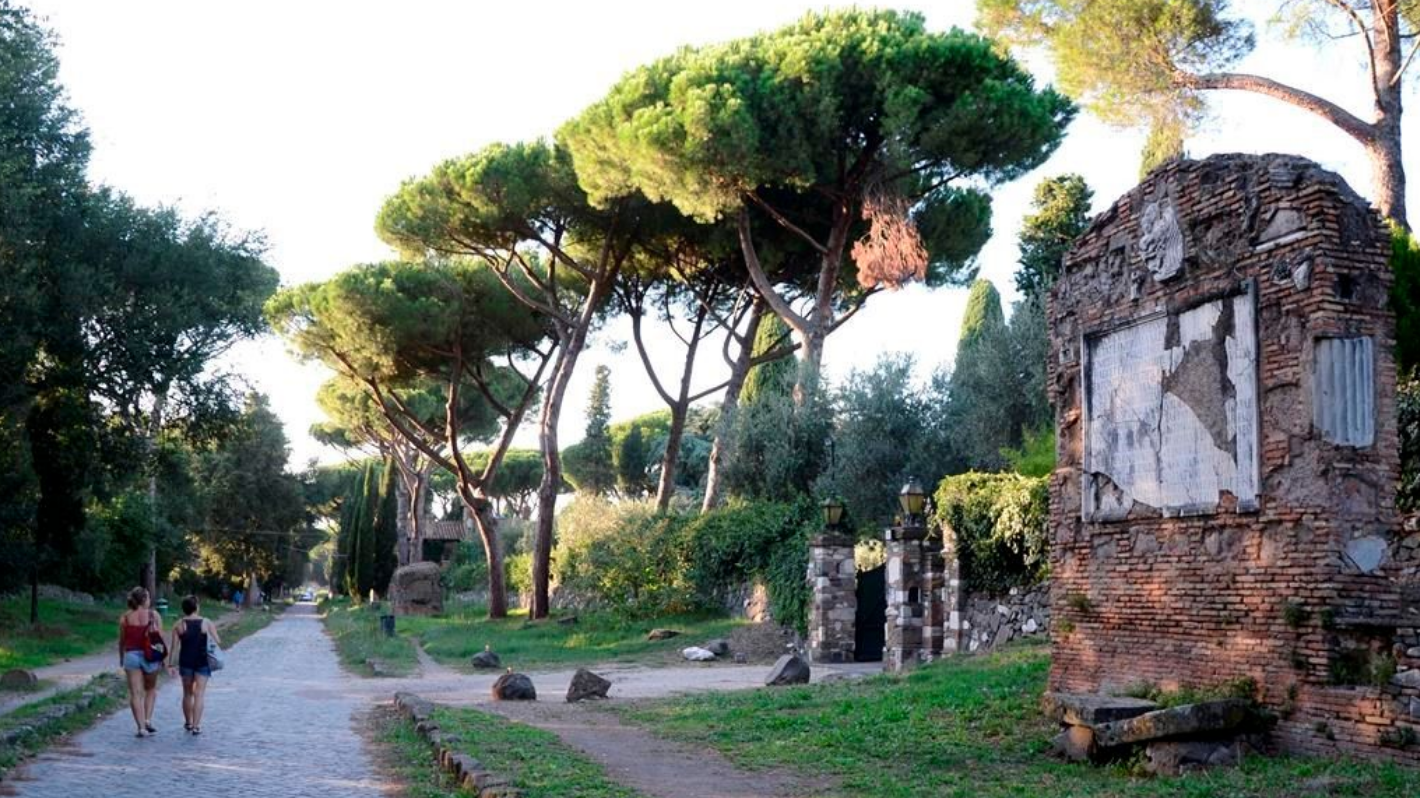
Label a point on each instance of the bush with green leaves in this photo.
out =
(999, 524)
(627, 557)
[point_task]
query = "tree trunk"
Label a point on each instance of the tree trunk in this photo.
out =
(155, 425)
(567, 356)
(249, 599)
(1384, 149)
(726, 425)
(34, 590)
(487, 526)
(665, 489)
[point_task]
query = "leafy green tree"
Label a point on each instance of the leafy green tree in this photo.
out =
(596, 472)
(842, 118)
(255, 512)
(386, 532)
(986, 387)
(392, 327)
(519, 209)
(884, 433)
(168, 296)
(1151, 61)
(1060, 212)
(44, 151)
(631, 463)
(1405, 301)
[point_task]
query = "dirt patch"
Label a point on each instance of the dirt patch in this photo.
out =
(761, 642)
(657, 767)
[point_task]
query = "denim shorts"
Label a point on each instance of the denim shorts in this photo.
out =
(134, 661)
(188, 673)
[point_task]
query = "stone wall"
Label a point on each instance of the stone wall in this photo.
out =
(1223, 504)
(989, 621)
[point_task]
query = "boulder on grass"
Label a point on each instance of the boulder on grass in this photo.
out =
(697, 654)
(1076, 743)
(662, 634)
(18, 679)
(586, 685)
(486, 659)
(790, 669)
(514, 687)
(720, 647)
(415, 590)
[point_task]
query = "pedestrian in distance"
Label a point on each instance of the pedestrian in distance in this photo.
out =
(191, 637)
(141, 651)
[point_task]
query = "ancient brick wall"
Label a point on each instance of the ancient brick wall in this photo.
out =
(1223, 505)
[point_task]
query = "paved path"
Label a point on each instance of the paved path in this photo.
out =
(280, 722)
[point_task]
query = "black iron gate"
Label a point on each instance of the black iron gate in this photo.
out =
(869, 624)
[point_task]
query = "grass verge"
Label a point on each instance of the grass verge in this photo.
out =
(31, 728)
(596, 637)
(405, 758)
(358, 639)
(66, 630)
(535, 761)
(966, 727)
(246, 623)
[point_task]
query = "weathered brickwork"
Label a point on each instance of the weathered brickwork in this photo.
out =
(1244, 525)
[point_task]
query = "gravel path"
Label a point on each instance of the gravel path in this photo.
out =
(279, 723)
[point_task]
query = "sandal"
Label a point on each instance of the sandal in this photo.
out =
(196, 730)
(150, 728)
(141, 734)
(187, 727)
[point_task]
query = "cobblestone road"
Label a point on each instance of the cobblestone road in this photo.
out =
(279, 722)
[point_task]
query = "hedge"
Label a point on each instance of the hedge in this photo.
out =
(998, 522)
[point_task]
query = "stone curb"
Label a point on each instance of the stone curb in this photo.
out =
(468, 773)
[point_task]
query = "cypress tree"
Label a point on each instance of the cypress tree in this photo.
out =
(386, 532)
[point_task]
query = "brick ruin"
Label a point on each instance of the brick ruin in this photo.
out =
(1224, 501)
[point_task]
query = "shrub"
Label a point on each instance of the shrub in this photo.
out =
(999, 524)
(628, 558)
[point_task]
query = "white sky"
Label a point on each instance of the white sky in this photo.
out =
(299, 118)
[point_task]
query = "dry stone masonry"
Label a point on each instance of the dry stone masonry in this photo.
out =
(1224, 501)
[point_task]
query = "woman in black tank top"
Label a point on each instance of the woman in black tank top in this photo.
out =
(190, 636)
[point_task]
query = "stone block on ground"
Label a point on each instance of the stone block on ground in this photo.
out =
(18, 679)
(720, 647)
(415, 590)
(514, 687)
(1092, 709)
(790, 669)
(586, 685)
(570, 620)
(697, 654)
(1201, 718)
(486, 659)
(662, 634)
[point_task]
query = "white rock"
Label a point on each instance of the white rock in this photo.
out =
(697, 654)
(1029, 627)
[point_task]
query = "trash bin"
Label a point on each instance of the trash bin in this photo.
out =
(387, 624)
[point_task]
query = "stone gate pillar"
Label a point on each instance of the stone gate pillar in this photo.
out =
(835, 599)
(909, 589)
(949, 595)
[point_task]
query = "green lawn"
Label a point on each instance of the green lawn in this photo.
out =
(65, 631)
(964, 727)
(357, 637)
(535, 761)
(406, 757)
(596, 637)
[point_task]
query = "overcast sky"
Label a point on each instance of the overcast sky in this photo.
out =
(299, 118)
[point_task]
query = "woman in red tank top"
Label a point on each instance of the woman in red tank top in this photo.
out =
(135, 630)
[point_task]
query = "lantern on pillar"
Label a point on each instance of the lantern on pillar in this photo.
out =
(832, 512)
(913, 501)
